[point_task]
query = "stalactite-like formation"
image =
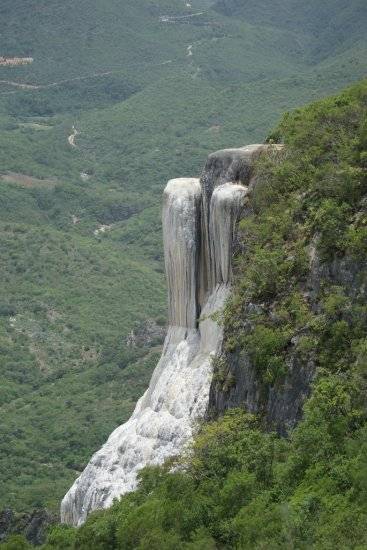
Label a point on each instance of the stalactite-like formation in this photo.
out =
(227, 166)
(225, 206)
(199, 220)
(181, 219)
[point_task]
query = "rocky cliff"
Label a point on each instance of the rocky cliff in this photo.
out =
(199, 224)
(267, 278)
(297, 308)
(280, 404)
(266, 288)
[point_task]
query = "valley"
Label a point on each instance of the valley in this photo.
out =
(140, 93)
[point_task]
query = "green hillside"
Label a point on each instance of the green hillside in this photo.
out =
(148, 89)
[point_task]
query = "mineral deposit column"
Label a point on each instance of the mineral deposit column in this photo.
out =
(181, 238)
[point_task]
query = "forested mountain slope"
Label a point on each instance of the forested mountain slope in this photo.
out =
(120, 97)
(299, 291)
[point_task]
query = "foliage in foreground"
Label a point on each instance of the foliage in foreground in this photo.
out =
(244, 488)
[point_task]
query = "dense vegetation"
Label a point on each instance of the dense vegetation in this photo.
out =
(241, 486)
(145, 110)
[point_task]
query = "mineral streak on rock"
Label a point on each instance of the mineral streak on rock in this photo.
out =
(178, 395)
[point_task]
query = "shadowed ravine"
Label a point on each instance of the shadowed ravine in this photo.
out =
(199, 220)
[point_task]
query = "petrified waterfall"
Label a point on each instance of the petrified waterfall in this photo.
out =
(199, 221)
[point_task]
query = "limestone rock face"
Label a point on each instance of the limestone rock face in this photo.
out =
(199, 220)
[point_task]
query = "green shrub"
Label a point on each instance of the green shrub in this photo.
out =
(266, 348)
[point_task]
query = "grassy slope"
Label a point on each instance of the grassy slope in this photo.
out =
(76, 296)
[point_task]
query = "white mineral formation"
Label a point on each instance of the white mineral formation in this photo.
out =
(181, 222)
(227, 166)
(226, 204)
(199, 220)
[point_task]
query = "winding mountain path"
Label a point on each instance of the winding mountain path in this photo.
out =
(25, 86)
(20, 85)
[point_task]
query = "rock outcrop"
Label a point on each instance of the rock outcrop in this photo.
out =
(199, 220)
(280, 405)
(33, 525)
